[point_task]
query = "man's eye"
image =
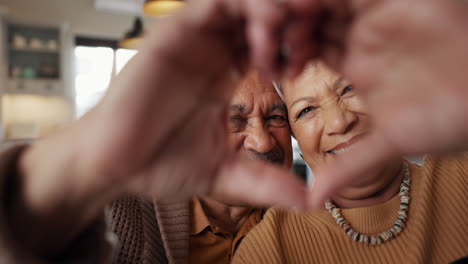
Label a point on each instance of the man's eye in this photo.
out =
(277, 121)
(236, 123)
(305, 111)
(347, 89)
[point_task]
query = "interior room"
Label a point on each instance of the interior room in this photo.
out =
(58, 58)
(233, 131)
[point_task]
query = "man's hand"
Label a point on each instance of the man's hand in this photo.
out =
(160, 130)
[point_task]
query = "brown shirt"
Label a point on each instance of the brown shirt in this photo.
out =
(211, 244)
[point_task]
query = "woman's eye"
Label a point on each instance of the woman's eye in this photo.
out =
(277, 121)
(347, 89)
(305, 111)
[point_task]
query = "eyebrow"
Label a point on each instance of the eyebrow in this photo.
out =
(238, 108)
(336, 85)
(338, 82)
(280, 107)
(302, 99)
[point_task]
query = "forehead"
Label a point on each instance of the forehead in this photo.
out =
(254, 89)
(315, 80)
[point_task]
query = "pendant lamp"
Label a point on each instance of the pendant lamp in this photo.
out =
(134, 37)
(161, 7)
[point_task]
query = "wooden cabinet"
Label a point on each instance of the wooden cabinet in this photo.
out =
(32, 84)
(38, 86)
(33, 59)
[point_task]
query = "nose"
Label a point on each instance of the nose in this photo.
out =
(338, 119)
(259, 138)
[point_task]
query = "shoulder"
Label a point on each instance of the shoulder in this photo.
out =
(443, 176)
(266, 231)
(460, 158)
(274, 238)
(133, 220)
(261, 243)
(130, 208)
(275, 222)
(441, 166)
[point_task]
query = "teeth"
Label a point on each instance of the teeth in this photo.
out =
(338, 151)
(341, 150)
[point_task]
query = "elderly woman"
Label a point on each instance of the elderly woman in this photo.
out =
(397, 212)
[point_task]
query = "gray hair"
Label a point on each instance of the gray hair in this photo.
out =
(278, 86)
(279, 90)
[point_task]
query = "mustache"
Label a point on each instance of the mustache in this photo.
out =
(270, 156)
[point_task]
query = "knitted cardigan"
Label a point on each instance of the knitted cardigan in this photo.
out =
(144, 231)
(151, 232)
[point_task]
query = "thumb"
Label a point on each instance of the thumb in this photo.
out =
(363, 156)
(259, 183)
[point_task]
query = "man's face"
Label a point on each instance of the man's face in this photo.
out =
(258, 122)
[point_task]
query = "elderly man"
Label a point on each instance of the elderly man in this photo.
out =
(208, 230)
(204, 229)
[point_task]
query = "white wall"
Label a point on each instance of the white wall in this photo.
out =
(76, 18)
(22, 110)
(80, 15)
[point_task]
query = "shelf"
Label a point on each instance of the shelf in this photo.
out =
(28, 55)
(35, 86)
(39, 79)
(34, 50)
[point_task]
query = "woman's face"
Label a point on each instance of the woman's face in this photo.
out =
(326, 115)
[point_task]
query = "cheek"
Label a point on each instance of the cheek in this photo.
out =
(283, 138)
(357, 104)
(308, 134)
(235, 141)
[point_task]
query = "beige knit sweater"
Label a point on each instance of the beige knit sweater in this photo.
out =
(436, 230)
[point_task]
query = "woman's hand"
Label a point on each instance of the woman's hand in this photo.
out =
(409, 59)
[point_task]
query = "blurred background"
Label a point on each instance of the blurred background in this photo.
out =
(57, 58)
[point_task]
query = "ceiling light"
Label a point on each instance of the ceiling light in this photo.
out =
(161, 7)
(134, 37)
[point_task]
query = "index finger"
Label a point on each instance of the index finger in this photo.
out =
(265, 19)
(259, 183)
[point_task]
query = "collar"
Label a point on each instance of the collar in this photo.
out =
(199, 219)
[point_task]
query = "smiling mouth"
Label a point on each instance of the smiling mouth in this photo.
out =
(338, 151)
(345, 146)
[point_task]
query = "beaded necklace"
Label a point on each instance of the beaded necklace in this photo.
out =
(384, 236)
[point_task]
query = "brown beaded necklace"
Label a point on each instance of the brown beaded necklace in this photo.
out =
(384, 236)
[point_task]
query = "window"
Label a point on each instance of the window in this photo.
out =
(96, 63)
(122, 56)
